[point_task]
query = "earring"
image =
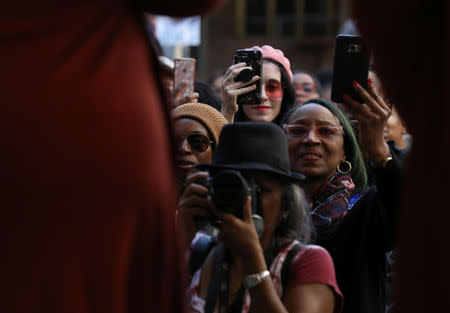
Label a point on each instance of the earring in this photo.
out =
(348, 166)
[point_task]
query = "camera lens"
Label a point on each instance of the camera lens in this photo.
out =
(229, 191)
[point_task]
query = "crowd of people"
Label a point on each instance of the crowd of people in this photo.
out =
(326, 178)
(289, 204)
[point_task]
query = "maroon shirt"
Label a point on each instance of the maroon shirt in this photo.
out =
(86, 180)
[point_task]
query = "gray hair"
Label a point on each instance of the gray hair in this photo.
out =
(295, 216)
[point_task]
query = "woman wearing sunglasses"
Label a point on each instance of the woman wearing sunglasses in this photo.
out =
(354, 225)
(197, 128)
(277, 94)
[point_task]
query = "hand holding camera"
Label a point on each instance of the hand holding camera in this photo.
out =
(210, 199)
(194, 207)
(236, 204)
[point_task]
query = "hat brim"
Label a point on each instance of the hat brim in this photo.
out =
(253, 166)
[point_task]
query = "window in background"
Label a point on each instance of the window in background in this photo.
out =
(286, 18)
(256, 17)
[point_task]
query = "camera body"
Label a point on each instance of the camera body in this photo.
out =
(229, 191)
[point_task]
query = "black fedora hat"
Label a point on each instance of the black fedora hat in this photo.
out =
(253, 146)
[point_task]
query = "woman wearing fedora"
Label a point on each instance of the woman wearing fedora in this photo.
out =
(257, 263)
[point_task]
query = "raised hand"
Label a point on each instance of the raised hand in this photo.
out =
(372, 116)
(231, 89)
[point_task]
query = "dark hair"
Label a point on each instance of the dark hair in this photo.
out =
(351, 147)
(286, 103)
(325, 76)
(206, 95)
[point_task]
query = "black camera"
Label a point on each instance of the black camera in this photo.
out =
(229, 191)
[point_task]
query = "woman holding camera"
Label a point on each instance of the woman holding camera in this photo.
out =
(277, 92)
(354, 225)
(258, 264)
(197, 128)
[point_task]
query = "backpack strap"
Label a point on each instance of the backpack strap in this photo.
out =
(285, 268)
(217, 277)
(200, 252)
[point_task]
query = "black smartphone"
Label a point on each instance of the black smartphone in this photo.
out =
(252, 58)
(351, 62)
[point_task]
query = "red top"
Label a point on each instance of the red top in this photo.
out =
(313, 265)
(87, 186)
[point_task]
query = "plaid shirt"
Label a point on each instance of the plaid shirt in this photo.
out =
(332, 203)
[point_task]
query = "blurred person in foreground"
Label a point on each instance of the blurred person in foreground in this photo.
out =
(87, 178)
(416, 79)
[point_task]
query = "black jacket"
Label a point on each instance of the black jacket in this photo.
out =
(359, 245)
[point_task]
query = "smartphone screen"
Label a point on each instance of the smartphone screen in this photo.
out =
(184, 69)
(252, 58)
(351, 62)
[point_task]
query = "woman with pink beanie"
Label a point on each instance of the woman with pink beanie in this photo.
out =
(277, 92)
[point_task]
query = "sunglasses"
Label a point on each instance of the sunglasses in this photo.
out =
(273, 89)
(196, 141)
(321, 131)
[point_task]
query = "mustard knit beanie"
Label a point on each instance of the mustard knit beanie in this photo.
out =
(212, 119)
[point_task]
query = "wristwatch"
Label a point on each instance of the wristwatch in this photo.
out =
(254, 280)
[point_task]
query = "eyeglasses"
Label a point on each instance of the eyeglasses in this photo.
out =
(321, 131)
(196, 141)
(274, 89)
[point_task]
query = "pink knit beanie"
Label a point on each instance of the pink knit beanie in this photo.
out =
(269, 52)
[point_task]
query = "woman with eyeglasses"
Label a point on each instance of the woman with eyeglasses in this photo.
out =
(277, 92)
(197, 128)
(354, 224)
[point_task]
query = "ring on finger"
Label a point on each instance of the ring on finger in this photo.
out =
(230, 78)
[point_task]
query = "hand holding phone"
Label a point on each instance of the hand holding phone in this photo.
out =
(184, 76)
(351, 63)
(252, 58)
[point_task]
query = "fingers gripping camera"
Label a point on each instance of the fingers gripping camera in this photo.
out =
(229, 190)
